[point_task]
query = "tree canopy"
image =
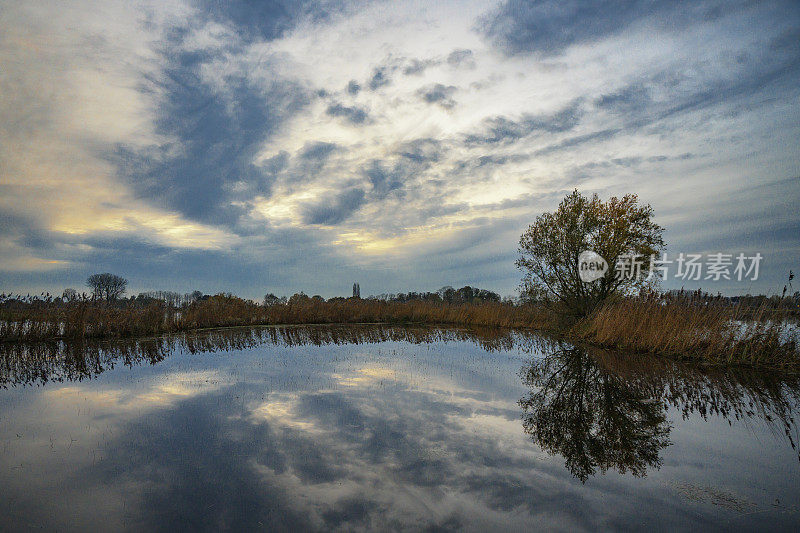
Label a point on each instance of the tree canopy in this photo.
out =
(619, 230)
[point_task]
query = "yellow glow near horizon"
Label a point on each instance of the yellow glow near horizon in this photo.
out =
(369, 243)
(164, 228)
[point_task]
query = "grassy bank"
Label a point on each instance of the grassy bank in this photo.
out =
(717, 334)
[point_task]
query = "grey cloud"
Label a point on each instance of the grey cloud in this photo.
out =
(571, 142)
(421, 150)
(786, 41)
(217, 138)
(495, 160)
(411, 159)
(354, 115)
(635, 107)
(611, 166)
(438, 94)
(217, 135)
(518, 26)
(504, 130)
(727, 91)
(461, 58)
(632, 98)
(416, 67)
(764, 72)
(489, 161)
(550, 26)
(380, 77)
(334, 210)
(384, 179)
(311, 159)
(316, 151)
(272, 20)
(353, 87)
(25, 230)
(277, 163)
(627, 161)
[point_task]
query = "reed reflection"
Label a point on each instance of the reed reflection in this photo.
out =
(42, 362)
(39, 363)
(606, 411)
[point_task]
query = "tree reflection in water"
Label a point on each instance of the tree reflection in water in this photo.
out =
(594, 418)
(607, 411)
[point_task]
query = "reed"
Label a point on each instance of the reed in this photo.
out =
(708, 330)
(720, 334)
(41, 320)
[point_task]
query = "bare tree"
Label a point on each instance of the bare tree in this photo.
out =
(107, 286)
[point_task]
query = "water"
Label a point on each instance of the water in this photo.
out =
(387, 428)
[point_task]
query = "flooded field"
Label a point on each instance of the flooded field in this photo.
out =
(395, 428)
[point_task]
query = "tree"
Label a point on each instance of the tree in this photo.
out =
(356, 290)
(299, 298)
(107, 286)
(69, 295)
(447, 293)
(270, 300)
(619, 230)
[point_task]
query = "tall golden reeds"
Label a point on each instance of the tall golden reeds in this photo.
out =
(711, 330)
(686, 328)
(40, 320)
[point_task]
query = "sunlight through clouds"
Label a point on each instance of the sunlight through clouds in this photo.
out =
(354, 131)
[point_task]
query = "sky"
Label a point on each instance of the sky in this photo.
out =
(280, 146)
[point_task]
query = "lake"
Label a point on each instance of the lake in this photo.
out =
(370, 427)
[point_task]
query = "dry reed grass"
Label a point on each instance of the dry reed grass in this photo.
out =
(713, 333)
(98, 319)
(717, 334)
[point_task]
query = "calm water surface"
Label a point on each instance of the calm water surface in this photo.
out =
(387, 428)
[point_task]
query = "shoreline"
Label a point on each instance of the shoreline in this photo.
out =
(568, 334)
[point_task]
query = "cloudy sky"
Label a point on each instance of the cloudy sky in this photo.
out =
(283, 146)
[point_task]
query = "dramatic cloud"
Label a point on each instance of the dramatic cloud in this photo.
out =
(185, 144)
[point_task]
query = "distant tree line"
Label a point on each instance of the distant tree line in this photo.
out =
(111, 289)
(446, 294)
